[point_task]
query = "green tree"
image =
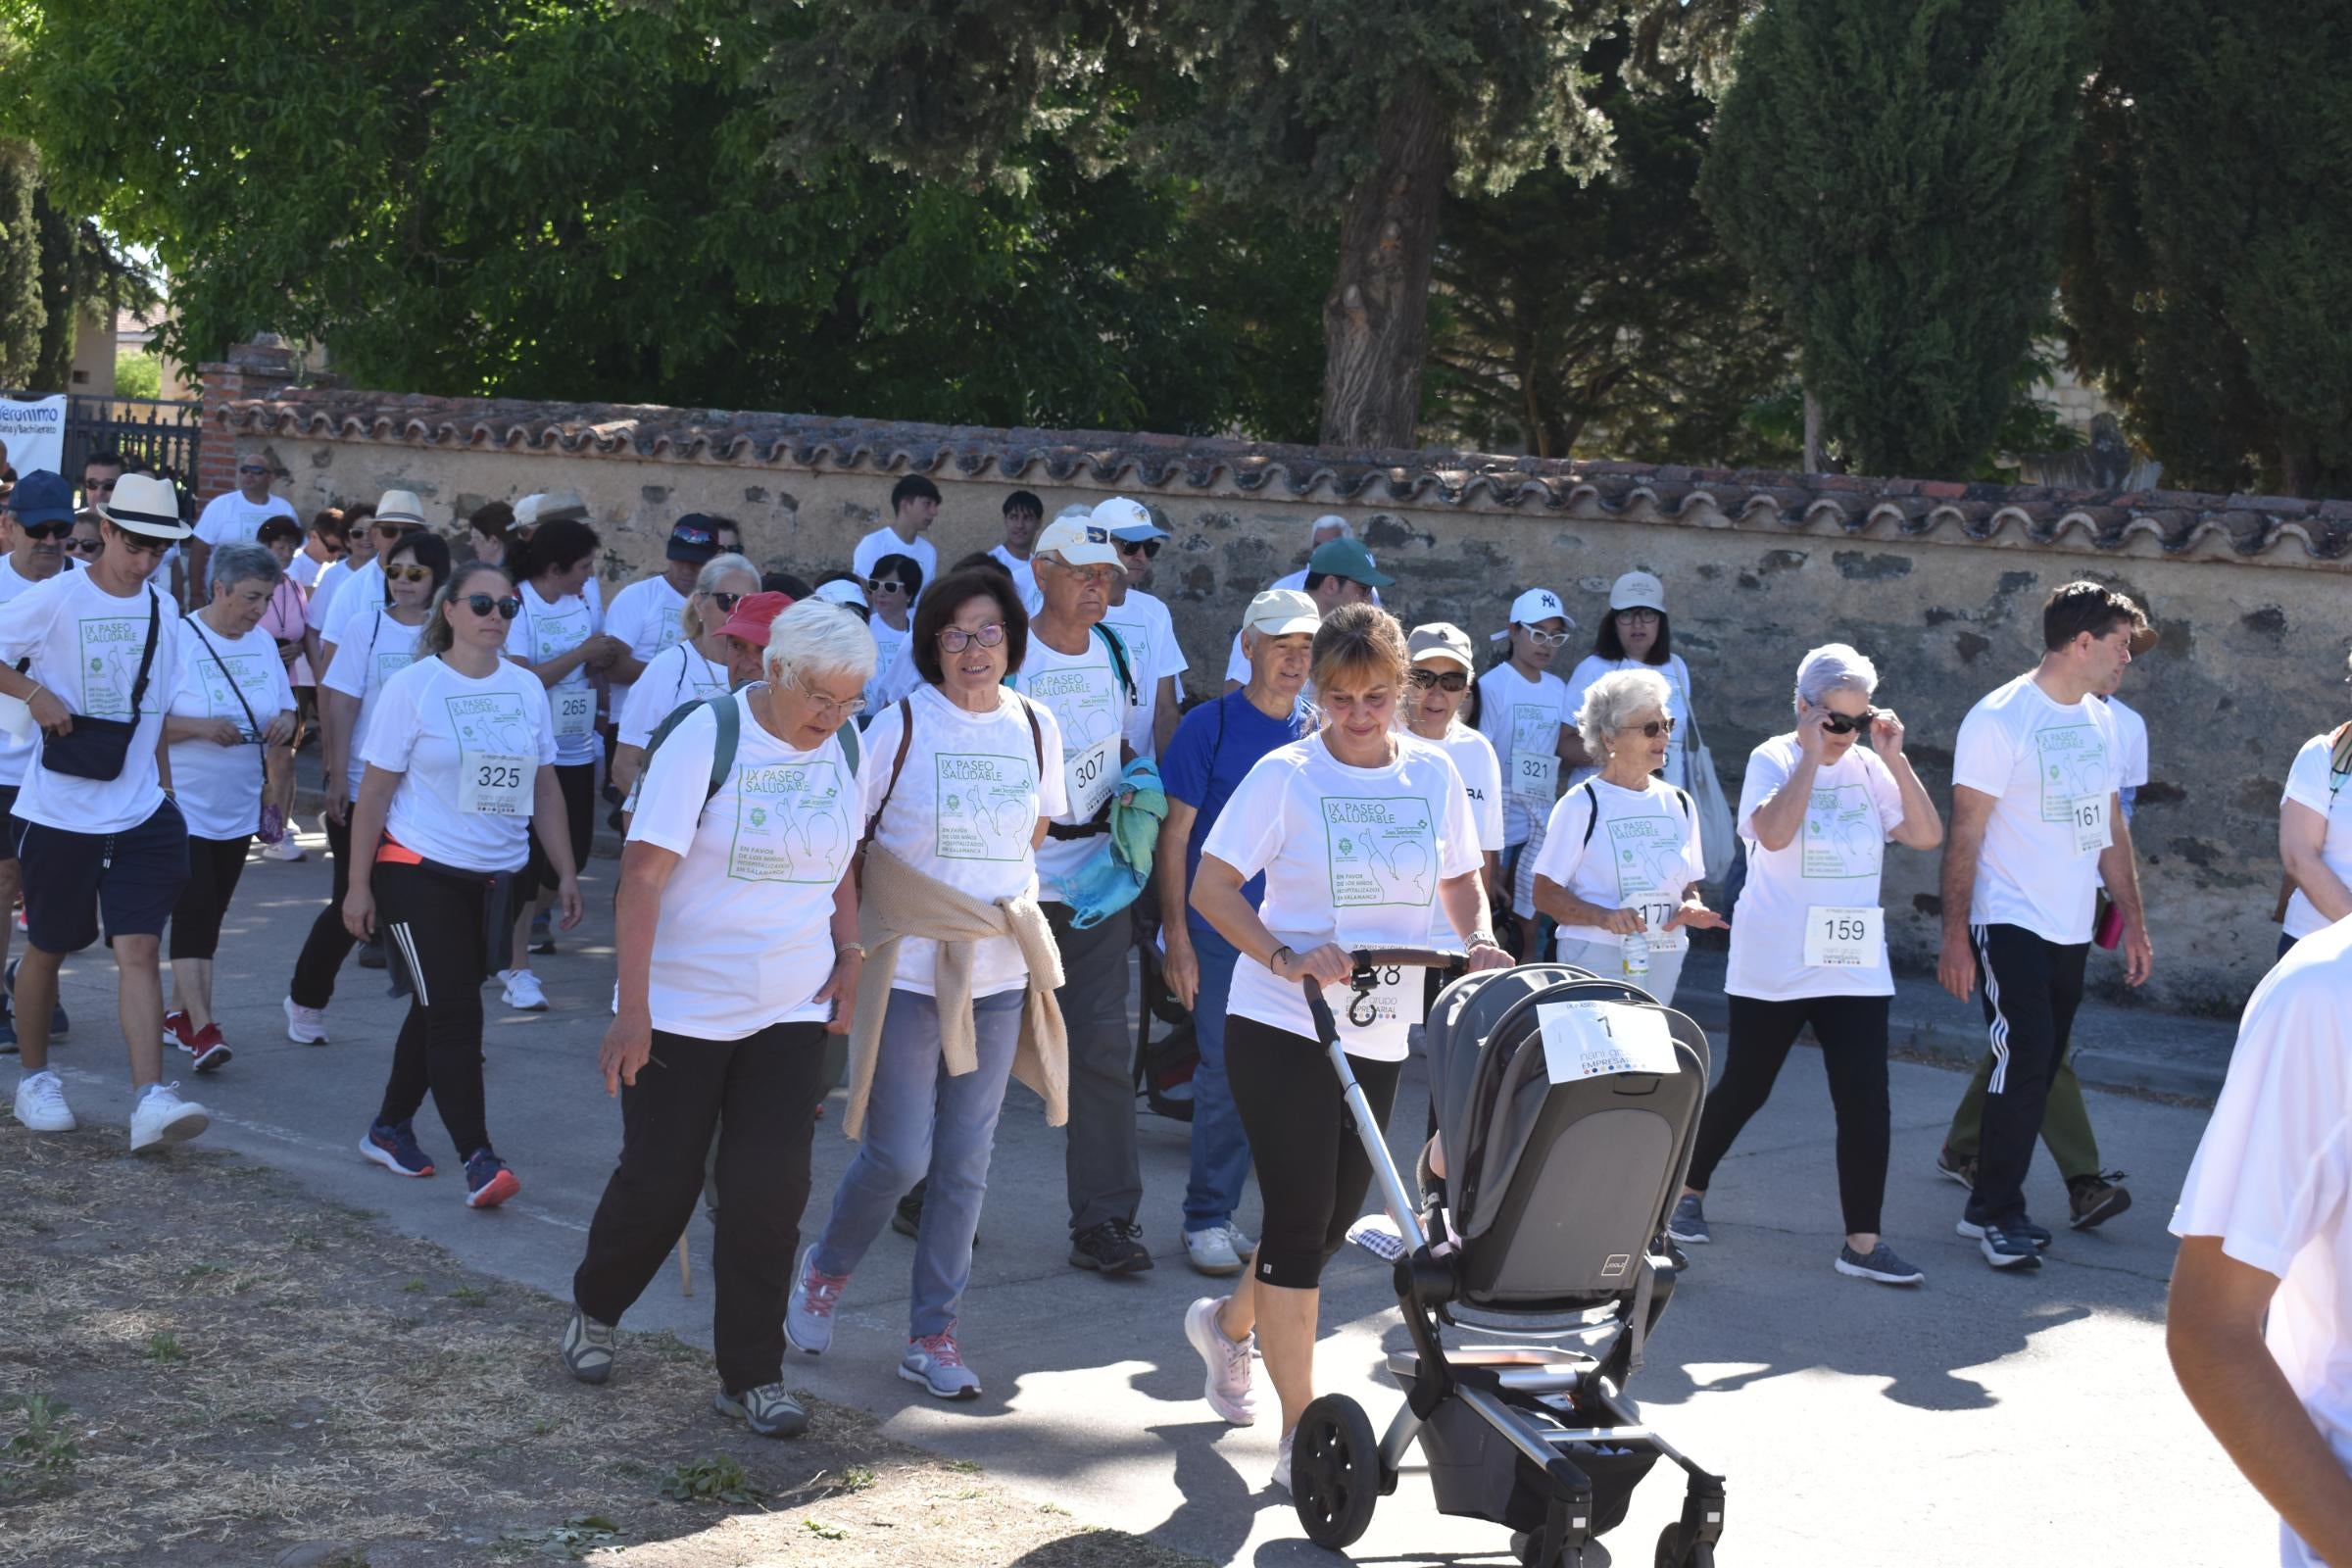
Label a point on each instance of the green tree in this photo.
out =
(2208, 275)
(1894, 174)
(22, 313)
(139, 374)
(1604, 316)
(1353, 114)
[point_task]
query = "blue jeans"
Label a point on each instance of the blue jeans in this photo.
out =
(1220, 1149)
(918, 1120)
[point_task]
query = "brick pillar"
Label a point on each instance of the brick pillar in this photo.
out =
(253, 370)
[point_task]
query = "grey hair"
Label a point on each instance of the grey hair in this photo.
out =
(1076, 509)
(1614, 699)
(815, 636)
(1831, 668)
(715, 571)
(1346, 528)
(243, 561)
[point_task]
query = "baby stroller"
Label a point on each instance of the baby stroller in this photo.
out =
(1564, 1163)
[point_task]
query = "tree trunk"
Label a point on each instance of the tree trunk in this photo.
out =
(1812, 434)
(1376, 318)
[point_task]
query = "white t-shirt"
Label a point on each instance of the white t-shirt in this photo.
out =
(649, 615)
(1832, 864)
(1024, 572)
(1352, 856)
(1521, 719)
(1642, 853)
(15, 756)
(230, 518)
(1094, 715)
(2273, 1173)
(331, 577)
(2312, 782)
(1678, 708)
(888, 642)
(1473, 757)
(675, 676)
(304, 569)
(963, 811)
(85, 645)
(2131, 735)
(543, 631)
(894, 677)
(471, 751)
(353, 598)
(745, 937)
(219, 787)
(376, 652)
(1153, 655)
(882, 542)
(2053, 771)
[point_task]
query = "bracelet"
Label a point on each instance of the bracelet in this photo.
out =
(1276, 956)
(841, 948)
(1484, 939)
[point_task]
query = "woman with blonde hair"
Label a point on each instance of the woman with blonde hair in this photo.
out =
(687, 670)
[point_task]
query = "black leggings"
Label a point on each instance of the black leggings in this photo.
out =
(578, 784)
(759, 1095)
(1312, 1171)
(436, 922)
(1852, 1031)
(328, 944)
(214, 867)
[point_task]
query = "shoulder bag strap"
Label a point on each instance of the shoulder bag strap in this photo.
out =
(1591, 817)
(155, 626)
(253, 725)
(898, 766)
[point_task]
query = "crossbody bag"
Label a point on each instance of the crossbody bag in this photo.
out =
(96, 747)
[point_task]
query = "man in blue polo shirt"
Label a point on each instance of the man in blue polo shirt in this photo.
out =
(1214, 747)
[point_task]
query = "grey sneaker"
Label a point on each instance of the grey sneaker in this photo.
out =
(2093, 1199)
(1690, 1223)
(1880, 1264)
(1952, 1167)
(767, 1411)
(808, 1310)
(935, 1362)
(587, 1347)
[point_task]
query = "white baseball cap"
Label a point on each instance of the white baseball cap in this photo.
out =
(1128, 520)
(842, 591)
(1441, 639)
(1539, 603)
(1636, 590)
(1080, 542)
(1282, 611)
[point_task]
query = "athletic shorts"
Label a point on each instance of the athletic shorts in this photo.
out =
(133, 878)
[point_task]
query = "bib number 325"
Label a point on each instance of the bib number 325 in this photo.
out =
(492, 784)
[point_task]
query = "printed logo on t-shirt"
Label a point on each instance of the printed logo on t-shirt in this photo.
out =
(1080, 698)
(388, 666)
(1380, 850)
(557, 632)
(985, 808)
(497, 753)
(112, 647)
(220, 700)
(2072, 758)
(1841, 835)
(1648, 855)
(791, 824)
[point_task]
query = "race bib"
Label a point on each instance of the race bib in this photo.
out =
(1661, 940)
(497, 766)
(494, 783)
(1593, 1039)
(1843, 938)
(1396, 999)
(2086, 816)
(575, 708)
(1090, 776)
(1536, 775)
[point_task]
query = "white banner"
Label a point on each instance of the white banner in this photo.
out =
(35, 433)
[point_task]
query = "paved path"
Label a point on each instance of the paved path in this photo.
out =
(1987, 1416)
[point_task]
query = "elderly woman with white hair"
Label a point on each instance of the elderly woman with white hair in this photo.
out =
(1620, 864)
(737, 929)
(1809, 942)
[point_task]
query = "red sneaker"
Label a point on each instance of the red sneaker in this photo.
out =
(207, 1047)
(176, 1031)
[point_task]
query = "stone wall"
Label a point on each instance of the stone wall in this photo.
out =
(1941, 583)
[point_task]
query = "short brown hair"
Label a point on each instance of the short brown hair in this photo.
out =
(2086, 606)
(936, 611)
(1358, 638)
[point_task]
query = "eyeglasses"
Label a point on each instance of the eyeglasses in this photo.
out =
(45, 531)
(954, 639)
(1149, 549)
(840, 708)
(86, 547)
(1092, 576)
(1545, 639)
(409, 573)
(1653, 729)
(482, 605)
(1849, 724)
(1451, 680)
(884, 585)
(1637, 618)
(726, 603)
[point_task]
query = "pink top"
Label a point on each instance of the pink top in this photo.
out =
(283, 620)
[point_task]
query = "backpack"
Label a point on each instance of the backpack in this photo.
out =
(1119, 667)
(730, 736)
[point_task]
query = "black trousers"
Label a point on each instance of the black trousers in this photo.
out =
(760, 1096)
(328, 944)
(436, 922)
(2031, 989)
(577, 781)
(214, 867)
(1312, 1171)
(1852, 1031)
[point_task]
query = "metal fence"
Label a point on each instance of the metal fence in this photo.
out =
(160, 437)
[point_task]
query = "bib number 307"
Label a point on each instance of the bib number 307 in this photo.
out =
(493, 784)
(1843, 938)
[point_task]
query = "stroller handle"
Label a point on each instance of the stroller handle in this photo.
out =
(1369, 961)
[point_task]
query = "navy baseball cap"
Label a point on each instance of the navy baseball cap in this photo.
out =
(42, 497)
(694, 538)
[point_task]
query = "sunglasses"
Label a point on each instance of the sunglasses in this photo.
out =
(1545, 639)
(884, 585)
(251, 468)
(409, 573)
(1149, 549)
(96, 486)
(1844, 724)
(482, 605)
(388, 531)
(45, 531)
(726, 603)
(1452, 680)
(954, 639)
(1653, 729)
(86, 547)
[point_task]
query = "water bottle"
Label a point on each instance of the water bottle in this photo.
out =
(1635, 948)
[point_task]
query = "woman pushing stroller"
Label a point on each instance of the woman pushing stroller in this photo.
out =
(1359, 830)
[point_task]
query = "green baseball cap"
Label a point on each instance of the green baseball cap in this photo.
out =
(1344, 557)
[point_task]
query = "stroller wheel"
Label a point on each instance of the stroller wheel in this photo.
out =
(1672, 1555)
(1335, 1471)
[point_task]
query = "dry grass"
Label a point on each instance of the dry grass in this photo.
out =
(251, 1371)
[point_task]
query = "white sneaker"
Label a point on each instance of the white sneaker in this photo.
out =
(1281, 1477)
(41, 1103)
(162, 1117)
(284, 848)
(519, 990)
(304, 1026)
(1227, 1388)
(1217, 1251)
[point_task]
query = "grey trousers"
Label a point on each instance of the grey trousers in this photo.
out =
(1104, 1172)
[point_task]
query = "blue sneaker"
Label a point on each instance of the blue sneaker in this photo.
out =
(59, 1023)
(396, 1148)
(543, 931)
(488, 1182)
(1689, 1225)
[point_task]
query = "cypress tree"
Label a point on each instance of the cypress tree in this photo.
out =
(21, 311)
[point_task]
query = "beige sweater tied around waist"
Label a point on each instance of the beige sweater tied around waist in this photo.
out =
(896, 902)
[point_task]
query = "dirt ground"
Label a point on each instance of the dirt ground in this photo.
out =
(200, 1365)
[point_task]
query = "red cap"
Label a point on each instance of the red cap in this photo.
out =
(753, 612)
